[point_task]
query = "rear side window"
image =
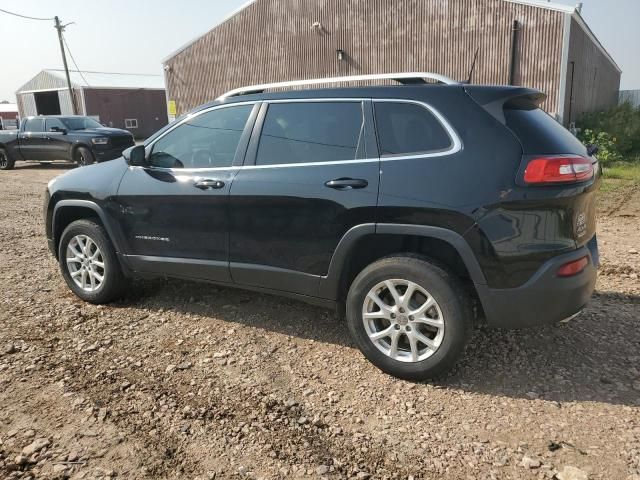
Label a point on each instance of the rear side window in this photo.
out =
(311, 132)
(34, 125)
(409, 129)
(541, 134)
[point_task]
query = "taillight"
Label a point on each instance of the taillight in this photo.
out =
(558, 170)
(573, 268)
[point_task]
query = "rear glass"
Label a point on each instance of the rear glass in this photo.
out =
(541, 134)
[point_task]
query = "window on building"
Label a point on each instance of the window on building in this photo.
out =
(311, 132)
(130, 123)
(409, 129)
(34, 125)
(207, 141)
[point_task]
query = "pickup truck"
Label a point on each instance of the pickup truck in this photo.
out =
(73, 138)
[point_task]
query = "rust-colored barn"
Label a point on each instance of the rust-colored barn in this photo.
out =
(524, 42)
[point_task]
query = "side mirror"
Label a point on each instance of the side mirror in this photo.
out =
(58, 130)
(593, 150)
(135, 156)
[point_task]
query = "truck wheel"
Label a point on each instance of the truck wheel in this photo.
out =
(409, 317)
(89, 263)
(83, 156)
(6, 162)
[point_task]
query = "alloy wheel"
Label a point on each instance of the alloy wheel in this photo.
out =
(85, 263)
(403, 320)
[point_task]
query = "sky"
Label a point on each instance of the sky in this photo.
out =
(134, 36)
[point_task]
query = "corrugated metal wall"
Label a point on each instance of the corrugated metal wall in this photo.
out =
(26, 105)
(593, 83)
(631, 96)
(66, 107)
(272, 40)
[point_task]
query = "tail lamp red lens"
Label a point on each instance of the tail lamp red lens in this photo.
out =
(558, 170)
(573, 268)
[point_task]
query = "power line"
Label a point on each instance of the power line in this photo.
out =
(74, 60)
(25, 16)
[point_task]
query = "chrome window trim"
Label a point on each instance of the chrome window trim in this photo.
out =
(456, 146)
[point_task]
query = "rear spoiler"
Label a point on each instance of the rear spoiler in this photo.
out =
(495, 99)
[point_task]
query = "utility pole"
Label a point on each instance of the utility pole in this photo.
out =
(60, 29)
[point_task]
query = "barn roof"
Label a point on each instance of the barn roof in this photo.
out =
(52, 79)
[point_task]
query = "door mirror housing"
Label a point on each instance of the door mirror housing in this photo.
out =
(58, 130)
(136, 156)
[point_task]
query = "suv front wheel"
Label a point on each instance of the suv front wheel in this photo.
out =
(89, 263)
(409, 317)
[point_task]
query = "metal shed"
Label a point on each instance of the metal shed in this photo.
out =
(525, 42)
(131, 101)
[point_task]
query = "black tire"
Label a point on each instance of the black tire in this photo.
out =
(6, 162)
(446, 290)
(114, 282)
(83, 156)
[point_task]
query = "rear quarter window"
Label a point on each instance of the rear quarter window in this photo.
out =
(409, 129)
(541, 134)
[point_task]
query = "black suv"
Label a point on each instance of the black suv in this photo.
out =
(413, 208)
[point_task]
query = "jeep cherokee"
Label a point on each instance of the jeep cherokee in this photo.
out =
(413, 209)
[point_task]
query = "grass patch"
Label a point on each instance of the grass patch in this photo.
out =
(620, 174)
(629, 171)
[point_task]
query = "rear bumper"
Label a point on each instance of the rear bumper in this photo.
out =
(545, 298)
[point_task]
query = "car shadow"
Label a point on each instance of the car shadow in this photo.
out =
(52, 165)
(595, 357)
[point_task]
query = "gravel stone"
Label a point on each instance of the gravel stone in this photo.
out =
(572, 473)
(35, 446)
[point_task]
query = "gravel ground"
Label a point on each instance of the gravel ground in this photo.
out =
(189, 380)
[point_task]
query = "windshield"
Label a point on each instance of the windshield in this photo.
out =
(80, 123)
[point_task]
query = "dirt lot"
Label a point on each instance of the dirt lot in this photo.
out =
(193, 381)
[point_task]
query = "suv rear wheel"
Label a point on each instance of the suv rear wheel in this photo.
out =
(409, 317)
(6, 162)
(89, 263)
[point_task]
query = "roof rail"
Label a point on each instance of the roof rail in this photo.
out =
(403, 78)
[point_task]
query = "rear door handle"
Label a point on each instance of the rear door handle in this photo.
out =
(347, 183)
(209, 184)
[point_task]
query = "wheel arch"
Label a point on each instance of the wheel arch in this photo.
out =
(66, 212)
(370, 242)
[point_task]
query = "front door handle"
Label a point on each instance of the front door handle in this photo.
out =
(347, 183)
(209, 184)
